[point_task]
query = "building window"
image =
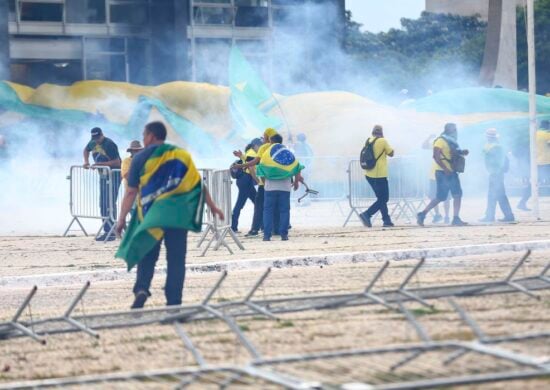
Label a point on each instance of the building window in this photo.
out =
(41, 11)
(212, 15)
(11, 10)
(133, 12)
(85, 11)
(251, 13)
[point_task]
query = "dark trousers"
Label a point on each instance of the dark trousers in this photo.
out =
(382, 193)
(280, 201)
(245, 184)
(257, 221)
(104, 205)
(497, 194)
(175, 241)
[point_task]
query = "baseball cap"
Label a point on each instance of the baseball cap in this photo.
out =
(96, 132)
(270, 132)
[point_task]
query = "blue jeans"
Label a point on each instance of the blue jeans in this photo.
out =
(246, 191)
(175, 241)
(280, 201)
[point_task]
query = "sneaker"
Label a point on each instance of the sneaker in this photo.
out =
(437, 218)
(105, 238)
(458, 222)
(486, 220)
(235, 230)
(284, 238)
(388, 224)
(420, 217)
(139, 300)
(267, 239)
(366, 220)
(252, 233)
(507, 219)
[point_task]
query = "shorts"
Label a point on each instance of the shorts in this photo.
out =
(433, 190)
(447, 183)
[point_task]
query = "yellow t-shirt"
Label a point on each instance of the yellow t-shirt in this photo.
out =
(249, 155)
(381, 148)
(125, 168)
(446, 150)
(543, 147)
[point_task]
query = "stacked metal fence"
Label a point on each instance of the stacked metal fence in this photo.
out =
(427, 363)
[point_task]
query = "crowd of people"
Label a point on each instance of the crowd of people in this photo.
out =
(165, 195)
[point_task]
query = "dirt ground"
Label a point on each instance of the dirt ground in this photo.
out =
(159, 347)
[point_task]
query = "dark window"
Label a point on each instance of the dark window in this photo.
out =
(251, 16)
(41, 12)
(129, 12)
(212, 15)
(85, 11)
(11, 6)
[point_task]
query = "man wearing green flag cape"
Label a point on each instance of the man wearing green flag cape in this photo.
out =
(170, 202)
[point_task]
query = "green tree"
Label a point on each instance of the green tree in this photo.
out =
(433, 52)
(542, 47)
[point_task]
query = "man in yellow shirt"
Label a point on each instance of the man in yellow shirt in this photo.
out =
(134, 148)
(378, 178)
(446, 177)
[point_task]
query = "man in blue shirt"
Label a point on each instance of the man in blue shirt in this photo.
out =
(105, 154)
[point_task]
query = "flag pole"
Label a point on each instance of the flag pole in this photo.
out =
(532, 106)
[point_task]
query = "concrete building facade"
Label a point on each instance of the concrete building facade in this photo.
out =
(149, 41)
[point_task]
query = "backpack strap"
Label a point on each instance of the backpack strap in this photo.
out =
(372, 143)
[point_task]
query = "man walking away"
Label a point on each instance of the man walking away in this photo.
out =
(378, 178)
(105, 154)
(428, 145)
(278, 166)
(170, 201)
(245, 182)
(446, 150)
(497, 164)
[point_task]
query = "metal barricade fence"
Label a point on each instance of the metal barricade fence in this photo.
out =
(218, 183)
(407, 188)
(92, 195)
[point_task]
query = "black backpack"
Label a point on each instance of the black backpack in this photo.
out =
(367, 158)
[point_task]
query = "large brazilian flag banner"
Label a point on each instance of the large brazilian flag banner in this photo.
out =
(278, 163)
(170, 196)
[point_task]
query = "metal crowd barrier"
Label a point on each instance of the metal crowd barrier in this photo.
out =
(218, 183)
(407, 189)
(93, 196)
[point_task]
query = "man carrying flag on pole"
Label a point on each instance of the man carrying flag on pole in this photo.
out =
(170, 202)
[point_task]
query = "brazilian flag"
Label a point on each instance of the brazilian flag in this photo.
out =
(170, 196)
(278, 163)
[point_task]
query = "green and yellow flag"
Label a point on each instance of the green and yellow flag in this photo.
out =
(278, 163)
(170, 196)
